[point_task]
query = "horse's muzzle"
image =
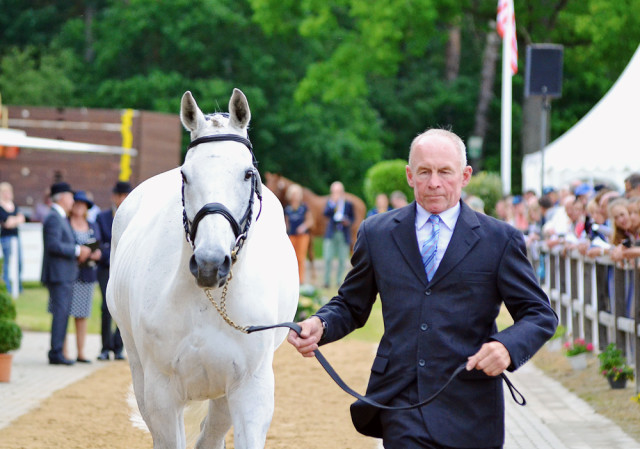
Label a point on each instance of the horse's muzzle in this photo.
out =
(210, 270)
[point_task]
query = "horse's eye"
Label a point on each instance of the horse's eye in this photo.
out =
(248, 174)
(184, 177)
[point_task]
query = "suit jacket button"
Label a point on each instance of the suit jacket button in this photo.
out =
(424, 326)
(427, 292)
(421, 362)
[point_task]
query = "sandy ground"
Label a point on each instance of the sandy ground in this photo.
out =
(311, 411)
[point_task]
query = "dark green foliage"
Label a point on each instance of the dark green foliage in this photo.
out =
(385, 177)
(334, 86)
(7, 306)
(10, 336)
(10, 332)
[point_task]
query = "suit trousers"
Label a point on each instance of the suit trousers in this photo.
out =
(60, 294)
(111, 341)
(407, 429)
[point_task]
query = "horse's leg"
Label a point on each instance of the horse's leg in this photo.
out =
(215, 425)
(163, 412)
(251, 407)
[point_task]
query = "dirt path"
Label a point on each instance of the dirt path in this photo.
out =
(311, 411)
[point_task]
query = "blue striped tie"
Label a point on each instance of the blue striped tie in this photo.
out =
(430, 247)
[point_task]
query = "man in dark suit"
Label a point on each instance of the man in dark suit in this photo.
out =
(337, 238)
(442, 272)
(60, 266)
(111, 341)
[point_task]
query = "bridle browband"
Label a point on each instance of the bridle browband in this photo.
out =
(241, 228)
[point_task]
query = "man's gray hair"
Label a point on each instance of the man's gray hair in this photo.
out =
(453, 137)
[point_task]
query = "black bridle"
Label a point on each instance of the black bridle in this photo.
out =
(241, 228)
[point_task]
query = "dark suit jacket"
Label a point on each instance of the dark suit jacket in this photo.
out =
(342, 226)
(432, 327)
(59, 263)
(104, 222)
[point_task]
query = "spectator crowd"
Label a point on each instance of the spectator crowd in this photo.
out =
(595, 220)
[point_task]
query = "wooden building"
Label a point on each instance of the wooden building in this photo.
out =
(155, 139)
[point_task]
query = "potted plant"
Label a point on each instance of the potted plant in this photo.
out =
(10, 333)
(309, 303)
(613, 366)
(577, 351)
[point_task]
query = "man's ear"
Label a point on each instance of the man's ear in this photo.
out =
(466, 175)
(409, 176)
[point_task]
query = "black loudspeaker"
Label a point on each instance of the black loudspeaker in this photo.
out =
(543, 71)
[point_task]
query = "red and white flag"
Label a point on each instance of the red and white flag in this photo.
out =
(506, 26)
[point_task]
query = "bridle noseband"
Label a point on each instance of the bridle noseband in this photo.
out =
(241, 228)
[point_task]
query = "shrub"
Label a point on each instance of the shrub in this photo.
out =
(7, 307)
(10, 332)
(488, 187)
(385, 177)
(10, 336)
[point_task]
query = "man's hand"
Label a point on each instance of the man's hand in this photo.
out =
(308, 340)
(492, 358)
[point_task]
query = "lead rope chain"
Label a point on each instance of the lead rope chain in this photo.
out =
(222, 308)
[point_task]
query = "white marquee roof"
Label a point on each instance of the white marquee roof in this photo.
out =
(603, 146)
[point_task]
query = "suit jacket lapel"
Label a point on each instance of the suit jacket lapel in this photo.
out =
(404, 235)
(463, 239)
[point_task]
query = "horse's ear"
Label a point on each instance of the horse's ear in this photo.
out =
(191, 116)
(239, 113)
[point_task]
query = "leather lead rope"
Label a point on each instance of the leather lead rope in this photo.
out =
(515, 394)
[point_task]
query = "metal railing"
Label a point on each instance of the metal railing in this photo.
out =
(595, 299)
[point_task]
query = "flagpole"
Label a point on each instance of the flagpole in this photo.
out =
(505, 140)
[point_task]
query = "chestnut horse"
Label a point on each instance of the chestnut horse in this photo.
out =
(278, 184)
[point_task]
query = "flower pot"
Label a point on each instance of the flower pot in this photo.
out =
(554, 345)
(5, 367)
(617, 384)
(578, 361)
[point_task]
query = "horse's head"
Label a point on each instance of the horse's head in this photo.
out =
(219, 182)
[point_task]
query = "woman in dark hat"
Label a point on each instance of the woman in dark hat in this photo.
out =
(85, 233)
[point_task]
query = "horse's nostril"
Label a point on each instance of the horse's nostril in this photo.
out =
(193, 266)
(225, 267)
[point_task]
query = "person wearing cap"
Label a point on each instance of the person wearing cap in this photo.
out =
(85, 233)
(60, 267)
(111, 341)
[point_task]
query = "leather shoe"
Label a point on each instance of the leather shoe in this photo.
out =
(104, 355)
(79, 360)
(61, 361)
(118, 356)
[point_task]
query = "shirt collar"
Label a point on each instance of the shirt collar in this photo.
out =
(449, 217)
(58, 208)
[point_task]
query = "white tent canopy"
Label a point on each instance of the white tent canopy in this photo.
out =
(18, 138)
(603, 146)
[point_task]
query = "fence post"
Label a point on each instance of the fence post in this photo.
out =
(590, 301)
(619, 305)
(636, 317)
(602, 283)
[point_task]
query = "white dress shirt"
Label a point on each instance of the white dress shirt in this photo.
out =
(448, 220)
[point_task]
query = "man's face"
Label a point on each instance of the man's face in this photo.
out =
(336, 191)
(435, 174)
(65, 200)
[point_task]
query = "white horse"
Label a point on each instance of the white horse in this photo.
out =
(179, 347)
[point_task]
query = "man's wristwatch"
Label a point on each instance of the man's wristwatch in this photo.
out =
(324, 327)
